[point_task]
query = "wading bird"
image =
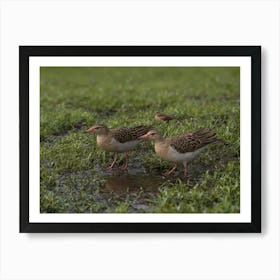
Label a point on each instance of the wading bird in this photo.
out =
(163, 117)
(120, 140)
(182, 148)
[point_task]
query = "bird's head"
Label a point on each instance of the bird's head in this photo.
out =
(152, 135)
(98, 129)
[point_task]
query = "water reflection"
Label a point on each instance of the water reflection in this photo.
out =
(132, 183)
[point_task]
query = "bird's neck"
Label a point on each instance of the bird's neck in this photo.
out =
(160, 142)
(161, 147)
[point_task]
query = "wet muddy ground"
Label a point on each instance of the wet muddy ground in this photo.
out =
(105, 190)
(101, 191)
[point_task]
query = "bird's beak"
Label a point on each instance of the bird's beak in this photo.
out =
(90, 130)
(144, 136)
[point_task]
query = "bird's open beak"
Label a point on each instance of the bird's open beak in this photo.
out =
(144, 136)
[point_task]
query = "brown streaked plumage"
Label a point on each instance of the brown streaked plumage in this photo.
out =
(118, 140)
(163, 117)
(193, 141)
(182, 148)
(129, 134)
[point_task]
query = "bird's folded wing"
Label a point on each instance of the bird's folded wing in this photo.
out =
(192, 141)
(126, 134)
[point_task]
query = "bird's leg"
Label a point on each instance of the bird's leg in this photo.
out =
(126, 162)
(185, 168)
(167, 173)
(113, 163)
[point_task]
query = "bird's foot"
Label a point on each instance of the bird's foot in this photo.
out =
(169, 172)
(125, 167)
(109, 168)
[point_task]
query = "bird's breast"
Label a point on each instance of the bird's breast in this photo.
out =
(112, 145)
(104, 142)
(176, 156)
(161, 150)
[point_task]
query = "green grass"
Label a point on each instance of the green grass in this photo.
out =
(72, 175)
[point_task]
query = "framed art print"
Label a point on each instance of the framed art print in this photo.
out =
(140, 138)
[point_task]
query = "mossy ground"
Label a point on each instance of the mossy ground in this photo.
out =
(71, 171)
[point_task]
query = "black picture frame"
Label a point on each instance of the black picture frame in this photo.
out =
(25, 52)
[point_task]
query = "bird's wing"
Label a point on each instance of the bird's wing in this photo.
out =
(192, 141)
(127, 134)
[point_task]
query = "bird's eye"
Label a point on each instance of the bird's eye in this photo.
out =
(97, 127)
(152, 134)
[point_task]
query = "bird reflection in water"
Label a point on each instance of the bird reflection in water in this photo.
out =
(128, 183)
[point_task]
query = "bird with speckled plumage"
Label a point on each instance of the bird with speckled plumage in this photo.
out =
(120, 140)
(162, 117)
(182, 148)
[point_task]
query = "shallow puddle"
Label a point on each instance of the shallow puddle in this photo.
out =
(135, 190)
(133, 183)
